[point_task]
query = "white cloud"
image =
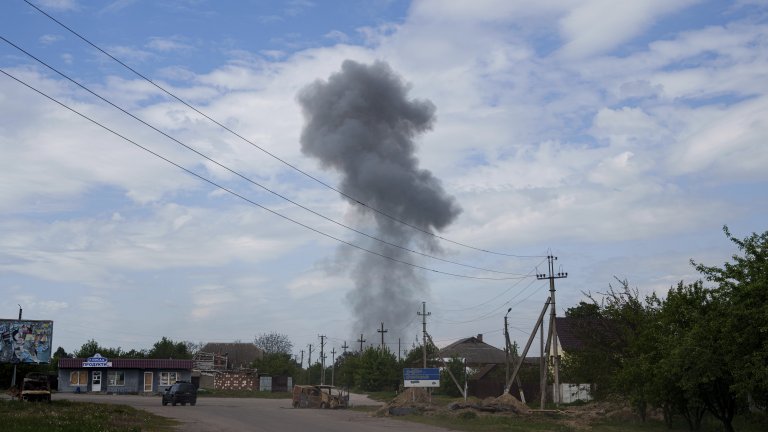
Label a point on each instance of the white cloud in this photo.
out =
(48, 39)
(167, 44)
(597, 26)
(61, 5)
(727, 141)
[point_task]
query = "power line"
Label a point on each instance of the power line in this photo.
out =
(51, 98)
(242, 176)
(352, 199)
(503, 305)
(499, 295)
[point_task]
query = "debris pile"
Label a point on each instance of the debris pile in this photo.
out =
(410, 401)
(417, 400)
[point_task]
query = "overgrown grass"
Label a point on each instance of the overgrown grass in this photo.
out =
(243, 394)
(473, 422)
(497, 423)
(67, 416)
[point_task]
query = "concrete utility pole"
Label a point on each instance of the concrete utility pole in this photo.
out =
(382, 331)
(322, 358)
(552, 323)
(309, 365)
(13, 378)
(361, 340)
(333, 365)
(344, 347)
(506, 343)
(511, 352)
(424, 314)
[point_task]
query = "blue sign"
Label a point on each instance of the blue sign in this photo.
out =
(97, 361)
(421, 377)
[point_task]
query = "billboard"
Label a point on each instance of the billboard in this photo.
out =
(25, 341)
(421, 377)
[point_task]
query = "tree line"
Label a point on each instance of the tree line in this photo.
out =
(701, 350)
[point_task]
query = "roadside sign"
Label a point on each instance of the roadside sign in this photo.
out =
(97, 361)
(421, 377)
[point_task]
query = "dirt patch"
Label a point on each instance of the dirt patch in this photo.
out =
(416, 400)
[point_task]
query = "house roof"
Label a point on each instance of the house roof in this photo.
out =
(573, 332)
(239, 354)
(474, 350)
(76, 363)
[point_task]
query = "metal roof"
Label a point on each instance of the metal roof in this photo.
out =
(474, 350)
(76, 363)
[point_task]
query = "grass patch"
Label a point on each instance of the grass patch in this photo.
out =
(243, 394)
(497, 423)
(67, 416)
(552, 422)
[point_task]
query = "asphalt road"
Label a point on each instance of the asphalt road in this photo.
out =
(250, 414)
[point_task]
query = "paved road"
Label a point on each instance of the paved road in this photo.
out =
(239, 415)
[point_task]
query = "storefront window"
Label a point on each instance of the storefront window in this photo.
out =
(77, 378)
(116, 378)
(168, 378)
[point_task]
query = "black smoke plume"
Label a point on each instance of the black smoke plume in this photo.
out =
(361, 123)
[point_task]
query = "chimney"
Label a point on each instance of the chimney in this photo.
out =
(480, 337)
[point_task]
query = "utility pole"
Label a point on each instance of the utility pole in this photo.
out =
(344, 347)
(361, 340)
(333, 366)
(552, 323)
(506, 343)
(13, 378)
(309, 365)
(511, 352)
(424, 314)
(398, 350)
(322, 358)
(382, 331)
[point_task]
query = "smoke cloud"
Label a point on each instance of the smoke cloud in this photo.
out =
(361, 124)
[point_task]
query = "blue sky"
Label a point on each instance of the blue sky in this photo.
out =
(621, 137)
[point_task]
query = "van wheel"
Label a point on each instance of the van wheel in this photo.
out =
(173, 402)
(193, 403)
(183, 404)
(165, 403)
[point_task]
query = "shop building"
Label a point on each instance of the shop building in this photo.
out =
(98, 374)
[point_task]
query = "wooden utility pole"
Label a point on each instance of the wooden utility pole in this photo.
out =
(424, 314)
(361, 340)
(382, 331)
(552, 324)
(344, 347)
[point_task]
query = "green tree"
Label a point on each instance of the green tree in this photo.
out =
(91, 347)
(447, 386)
(166, 348)
(346, 368)
(415, 357)
(274, 343)
(378, 370)
(277, 364)
(742, 296)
